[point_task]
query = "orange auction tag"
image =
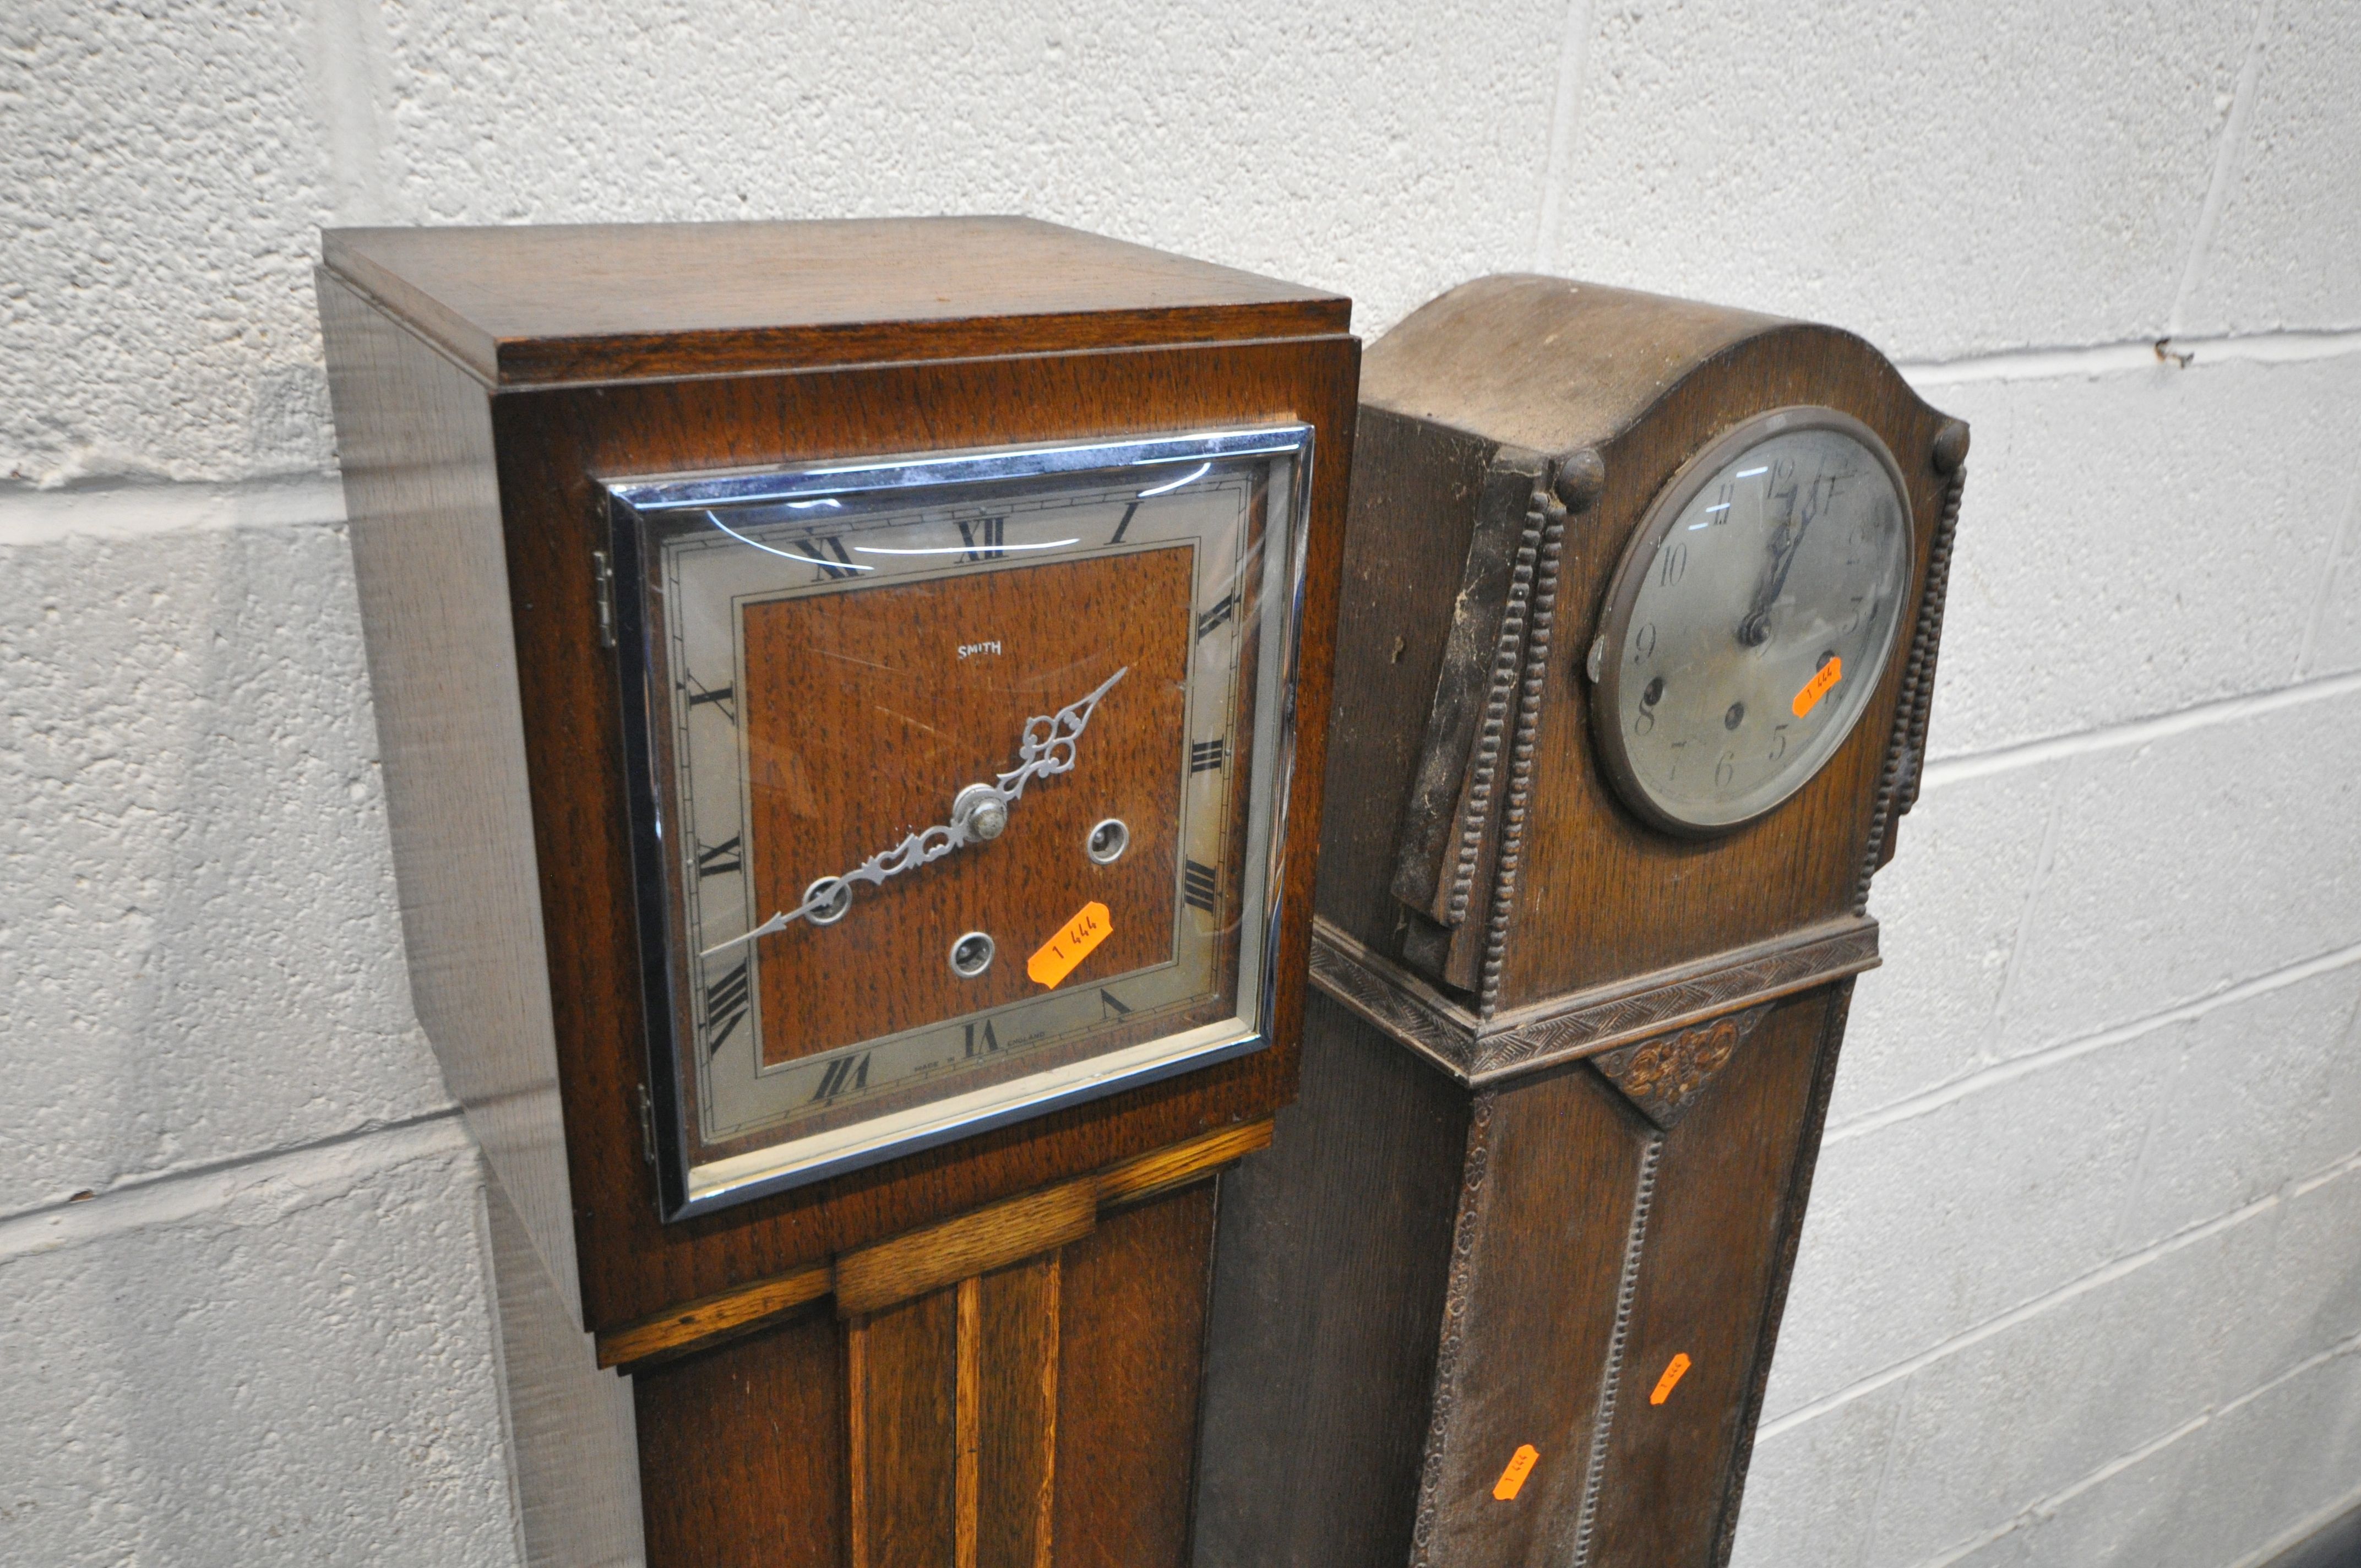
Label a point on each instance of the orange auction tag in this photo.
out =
(1673, 1370)
(1056, 958)
(1520, 1464)
(1817, 686)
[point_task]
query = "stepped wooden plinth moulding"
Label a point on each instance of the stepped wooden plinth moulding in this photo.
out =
(854, 701)
(1641, 605)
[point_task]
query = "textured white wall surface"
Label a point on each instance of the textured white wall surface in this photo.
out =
(2082, 1279)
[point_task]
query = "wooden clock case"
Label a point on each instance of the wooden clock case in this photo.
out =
(984, 1353)
(1506, 1288)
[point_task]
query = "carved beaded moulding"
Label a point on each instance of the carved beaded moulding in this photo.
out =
(1478, 1051)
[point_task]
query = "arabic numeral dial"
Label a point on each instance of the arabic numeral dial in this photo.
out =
(1754, 612)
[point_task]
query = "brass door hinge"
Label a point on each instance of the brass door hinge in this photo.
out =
(604, 569)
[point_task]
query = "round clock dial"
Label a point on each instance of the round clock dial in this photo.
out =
(964, 775)
(1751, 618)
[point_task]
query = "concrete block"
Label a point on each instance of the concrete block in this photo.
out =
(2334, 647)
(1995, 1425)
(2216, 1494)
(291, 1362)
(197, 914)
(1811, 1493)
(2186, 865)
(1943, 180)
(2310, 1303)
(1923, 1228)
(2170, 553)
(1998, 1426)
(1389, 152)
(165, 171)
(2286, 251)
(1950, 905)
(2266, 1091)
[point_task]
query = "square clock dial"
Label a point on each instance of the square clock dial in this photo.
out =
(959, 786)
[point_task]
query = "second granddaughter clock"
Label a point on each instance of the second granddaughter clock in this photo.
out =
(1642, 602)
(852, 698)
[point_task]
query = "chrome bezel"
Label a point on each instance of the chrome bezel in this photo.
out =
(684, 1191)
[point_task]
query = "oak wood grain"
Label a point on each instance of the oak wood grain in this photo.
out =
(1039, 1413)
(1153, 1174)
(1009, 1407)
(1491, 938)
(861, 724)
(903, 1370)
(874, 1277)
(700, 1325)
(742, 1456)
(553, 441)
(1131, 1319)
(521, 305)
(1536, 1321)
(1701, 1291)
(775, 1432)
(1332, 1258)
(1414, 486)
(968, 1423)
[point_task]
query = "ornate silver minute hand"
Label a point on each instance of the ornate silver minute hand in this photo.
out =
(979, 813)
(1755, 630)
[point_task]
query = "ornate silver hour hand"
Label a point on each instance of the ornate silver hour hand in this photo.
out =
(979, 813)
(1755, 630)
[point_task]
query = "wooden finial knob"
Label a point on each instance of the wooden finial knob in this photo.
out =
(1950, 447)
(1581, 475)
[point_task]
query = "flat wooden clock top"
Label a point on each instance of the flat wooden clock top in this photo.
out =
(523, 306)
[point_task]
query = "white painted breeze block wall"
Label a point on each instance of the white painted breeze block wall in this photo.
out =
(2082, 1280)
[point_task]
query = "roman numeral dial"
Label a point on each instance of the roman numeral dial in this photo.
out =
(1200, 886)
(725, 1007)
(913, 736)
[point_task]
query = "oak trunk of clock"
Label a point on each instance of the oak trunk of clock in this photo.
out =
(852, 699)
(1640, 609)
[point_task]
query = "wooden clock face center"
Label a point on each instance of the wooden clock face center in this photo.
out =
(864, 720)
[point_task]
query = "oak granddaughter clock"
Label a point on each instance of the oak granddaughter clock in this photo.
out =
(852, 703)
(1641, 606)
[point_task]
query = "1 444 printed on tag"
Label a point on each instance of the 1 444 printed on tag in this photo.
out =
(1056, 958)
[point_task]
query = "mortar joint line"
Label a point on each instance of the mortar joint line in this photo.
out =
(2047, 1507)
(2032, 1061)
(2104, 1275)
(2294, 345)
(2140, 731)
(139, 1183)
